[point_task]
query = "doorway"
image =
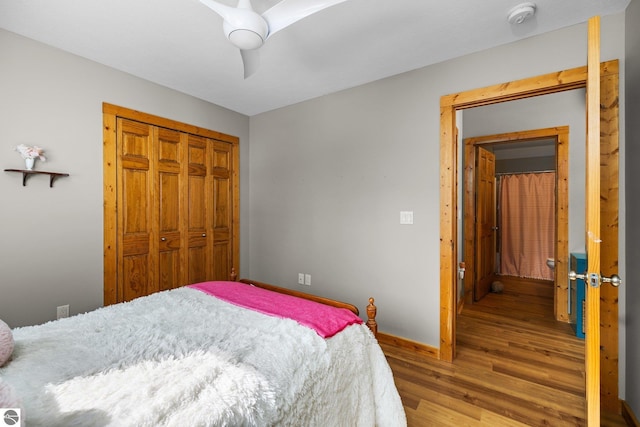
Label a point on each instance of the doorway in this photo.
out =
(549, 83)
(560, 136)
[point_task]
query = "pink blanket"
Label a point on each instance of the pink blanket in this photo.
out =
(325, 320)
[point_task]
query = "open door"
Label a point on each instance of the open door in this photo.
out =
(600, 237)
(485, 251)
(604, 239)
(592, 226)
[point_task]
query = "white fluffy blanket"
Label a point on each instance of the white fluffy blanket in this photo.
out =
(182, 357)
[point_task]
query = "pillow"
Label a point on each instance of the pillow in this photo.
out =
(6, 343)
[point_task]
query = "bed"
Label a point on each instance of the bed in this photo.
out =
(205, 355)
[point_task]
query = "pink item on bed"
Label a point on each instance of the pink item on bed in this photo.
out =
(6, 343)
(325, 320)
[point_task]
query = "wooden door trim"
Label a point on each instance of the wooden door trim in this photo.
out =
(561, 135)
(110, 113)
(114, 110)
(520, 89)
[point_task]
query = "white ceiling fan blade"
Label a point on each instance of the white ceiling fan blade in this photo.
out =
(250, 60)
(242, 16)
(287, 12)
(244, 4)
(226, 12)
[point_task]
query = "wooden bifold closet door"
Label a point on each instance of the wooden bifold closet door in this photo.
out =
(175, 220)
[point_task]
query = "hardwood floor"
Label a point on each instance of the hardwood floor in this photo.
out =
(515, 366)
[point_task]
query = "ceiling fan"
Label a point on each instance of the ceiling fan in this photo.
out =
(248, 30)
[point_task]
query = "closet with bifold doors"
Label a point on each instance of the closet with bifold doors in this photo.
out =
(176, 206)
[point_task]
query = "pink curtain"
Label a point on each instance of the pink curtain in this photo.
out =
(527, 224)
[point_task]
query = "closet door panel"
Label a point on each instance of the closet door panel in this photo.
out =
(170, 209)
(199, 247)
(135, 203)
(168, 270)
(135, 216)
(170, 244)
(223, 209)
(135, 274)
(198, 256)
(221, 261)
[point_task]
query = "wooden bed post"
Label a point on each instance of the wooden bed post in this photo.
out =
(371, 315)
(233, 276)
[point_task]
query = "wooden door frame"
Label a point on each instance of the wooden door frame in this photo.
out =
(561, 249)
(110, 113)
(574, 78)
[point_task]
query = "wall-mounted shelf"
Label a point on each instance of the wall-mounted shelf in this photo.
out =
(27, 173)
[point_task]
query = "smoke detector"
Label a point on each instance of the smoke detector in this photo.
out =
(521, 13)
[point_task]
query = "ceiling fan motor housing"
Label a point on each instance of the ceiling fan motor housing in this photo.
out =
(247, 30)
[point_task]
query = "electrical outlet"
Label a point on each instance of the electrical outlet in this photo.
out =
(307, 279)
(300, 278)
(63, 311)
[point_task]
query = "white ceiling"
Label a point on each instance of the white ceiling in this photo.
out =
(180, 44)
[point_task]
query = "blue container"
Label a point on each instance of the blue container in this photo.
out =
(577, 305)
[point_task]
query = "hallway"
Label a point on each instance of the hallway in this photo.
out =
(515, 366)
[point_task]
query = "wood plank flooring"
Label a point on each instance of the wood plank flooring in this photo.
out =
(515, 366)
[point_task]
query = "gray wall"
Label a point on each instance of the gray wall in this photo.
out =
(631, 280)
(528, 164)
(51, 238)
(329, 177)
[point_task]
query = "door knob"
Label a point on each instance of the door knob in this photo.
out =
(594, 279)
(615, 280)
(591, 278)
(204, 234)
(573, 276)
(164, 239)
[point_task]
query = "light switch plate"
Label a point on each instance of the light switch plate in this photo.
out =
(406, 217)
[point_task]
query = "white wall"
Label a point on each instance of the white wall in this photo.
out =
(51, 238)
(329, 177)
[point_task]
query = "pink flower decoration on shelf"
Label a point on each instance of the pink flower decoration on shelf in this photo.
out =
(28, 152)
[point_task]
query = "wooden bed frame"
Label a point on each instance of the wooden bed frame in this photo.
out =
(372, 310)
